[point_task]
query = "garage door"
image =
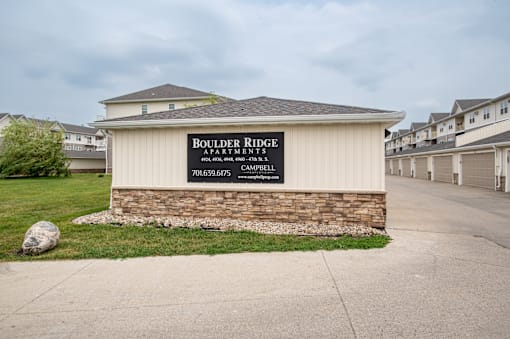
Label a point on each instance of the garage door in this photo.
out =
(406, 167)
(387, 167)
(478, 170)
(421, 168)
(394, 167)
(443, 168)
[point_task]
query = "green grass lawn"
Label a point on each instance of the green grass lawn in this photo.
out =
(59, 200)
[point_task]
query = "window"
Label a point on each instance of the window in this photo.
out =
(486, 113)
(89, 139)
(171, 106)
(78, 137)
(450, 126)
(67, 136)
(503, 107)
(471, 118)
(144, 108)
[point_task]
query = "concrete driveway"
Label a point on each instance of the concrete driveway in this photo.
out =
(426, 283)
(427, 206)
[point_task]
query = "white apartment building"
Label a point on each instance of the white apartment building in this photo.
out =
(76, 138)
(468, 146)
(157, 99)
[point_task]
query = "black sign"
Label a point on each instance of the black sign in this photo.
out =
(236, 157)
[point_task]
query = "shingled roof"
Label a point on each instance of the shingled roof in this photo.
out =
(417, 125)
(465, 104)
(256, 107)
(78, 129)
(431, 148)
(437, 116)
(166, 91)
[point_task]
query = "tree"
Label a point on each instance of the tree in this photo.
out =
(211, 100)
(31, 149)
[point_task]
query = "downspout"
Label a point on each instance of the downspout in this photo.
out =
(106, 156)
(499, 168)
(111, 186)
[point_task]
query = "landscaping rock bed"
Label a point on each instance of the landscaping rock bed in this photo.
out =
(106, 217)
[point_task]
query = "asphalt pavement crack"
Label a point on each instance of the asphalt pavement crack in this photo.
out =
(127, 307)
(339, 295)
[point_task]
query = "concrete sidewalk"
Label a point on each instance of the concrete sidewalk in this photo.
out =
(421, 285)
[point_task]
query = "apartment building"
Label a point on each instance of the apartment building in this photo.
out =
(76, 137)
(85, 146)
(165, 97)
(81, 138)
(157, 99)
(468, 146)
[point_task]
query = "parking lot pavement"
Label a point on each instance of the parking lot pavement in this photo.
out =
(435, 279)
(439, 207)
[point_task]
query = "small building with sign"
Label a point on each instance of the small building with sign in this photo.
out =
(263, 159)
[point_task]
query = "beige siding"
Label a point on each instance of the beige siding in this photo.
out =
(117, 110)
(455, 162)
(483, 132)
(497, 109)
(478, 170)
(443, 169)
(479, 120)
(444, 125)
(341, 157)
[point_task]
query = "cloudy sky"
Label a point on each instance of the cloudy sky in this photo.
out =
(59, 58)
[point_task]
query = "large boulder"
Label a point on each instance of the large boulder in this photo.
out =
(40, 237)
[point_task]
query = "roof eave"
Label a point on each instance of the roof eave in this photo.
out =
(388, 119)
(110, 101)
(453, 149)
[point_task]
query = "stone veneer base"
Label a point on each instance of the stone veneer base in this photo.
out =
(342, 209)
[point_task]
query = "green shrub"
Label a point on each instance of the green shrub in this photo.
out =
(30, 149)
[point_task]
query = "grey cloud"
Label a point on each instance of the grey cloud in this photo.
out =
(201, 45)
(366, 62)
(395, 54)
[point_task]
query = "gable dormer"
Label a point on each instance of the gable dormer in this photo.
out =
(434, 117)
(417, 125)
(461, 105)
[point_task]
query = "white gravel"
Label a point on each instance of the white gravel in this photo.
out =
(106, 217)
